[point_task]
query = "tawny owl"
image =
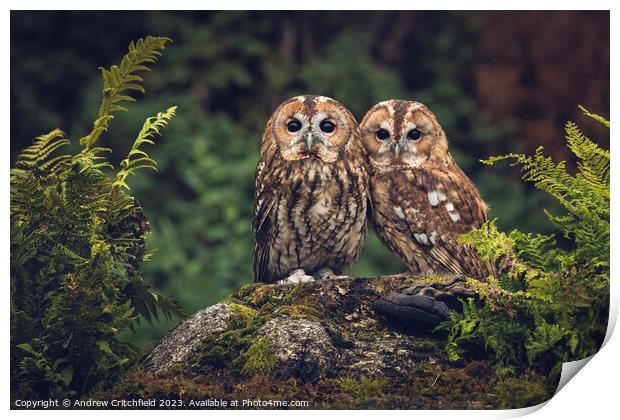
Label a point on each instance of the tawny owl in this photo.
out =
(311, 191)
(421, 200)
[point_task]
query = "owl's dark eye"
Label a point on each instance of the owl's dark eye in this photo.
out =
(414, 135)
(327, 126)
(382, 134)
(293, 126)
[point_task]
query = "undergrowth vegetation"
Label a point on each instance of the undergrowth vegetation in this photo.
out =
(550, 302)
(77, 243)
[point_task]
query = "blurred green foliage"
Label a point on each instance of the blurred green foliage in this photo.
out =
(227, 71)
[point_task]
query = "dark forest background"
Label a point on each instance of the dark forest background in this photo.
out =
(498, 82)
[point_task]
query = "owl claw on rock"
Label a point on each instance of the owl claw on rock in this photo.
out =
(299, 276)
(427, 305)
(296, 277)
(328, 274)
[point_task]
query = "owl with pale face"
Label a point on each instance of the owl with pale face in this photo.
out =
(421, 200)
(311, 190)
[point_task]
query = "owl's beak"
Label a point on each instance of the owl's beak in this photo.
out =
(312, 139)
(396, 149)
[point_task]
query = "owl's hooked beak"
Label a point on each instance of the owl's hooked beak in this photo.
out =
(396, 149)
(400, 146)
(312, 139)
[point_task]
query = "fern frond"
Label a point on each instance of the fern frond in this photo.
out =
(536, 250)
(54, 165)
(119, 80)
(137, 158)
(488, 241)
(594, 159)
(77, 245)
(36, 155)
(581, 198)
(596, 117)
(549, 304)
(119, 206)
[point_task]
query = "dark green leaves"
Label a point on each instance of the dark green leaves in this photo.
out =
(77, 244)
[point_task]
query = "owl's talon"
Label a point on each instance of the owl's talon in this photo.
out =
(413, 290)
(296, 277)
(328, 274)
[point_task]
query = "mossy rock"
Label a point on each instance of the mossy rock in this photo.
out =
(319, 342)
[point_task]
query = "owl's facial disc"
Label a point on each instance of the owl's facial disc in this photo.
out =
(380, 136)
(312, 127)
(309, 136)
(400, 132)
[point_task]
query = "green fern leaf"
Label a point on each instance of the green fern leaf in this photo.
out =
(137, 158)
(596, 117)
(123, 78)
(43, 146)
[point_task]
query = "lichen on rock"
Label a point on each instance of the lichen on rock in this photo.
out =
(301, 346)
(179, 345)
(320, 342)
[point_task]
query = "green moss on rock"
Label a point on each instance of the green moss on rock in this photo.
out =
(221, 350)
(523, 391)
(298, 311)
(322, 343)
(242, 314)
(365, 388)
(258, 358)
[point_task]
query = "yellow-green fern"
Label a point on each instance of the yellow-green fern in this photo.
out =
(138, 158)
(119, 81)
(549, 304)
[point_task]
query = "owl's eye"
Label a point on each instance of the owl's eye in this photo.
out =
(382, 134)
(293, 126)
(327, 126)
(414, 135)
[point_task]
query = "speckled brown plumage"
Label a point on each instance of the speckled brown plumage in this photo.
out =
(311, 192)
(421, 200)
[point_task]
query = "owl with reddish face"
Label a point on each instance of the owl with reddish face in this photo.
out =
(421, 200)
(311, 192)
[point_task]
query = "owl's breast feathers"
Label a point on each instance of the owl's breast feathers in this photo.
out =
(308, 215)
(419, 212)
